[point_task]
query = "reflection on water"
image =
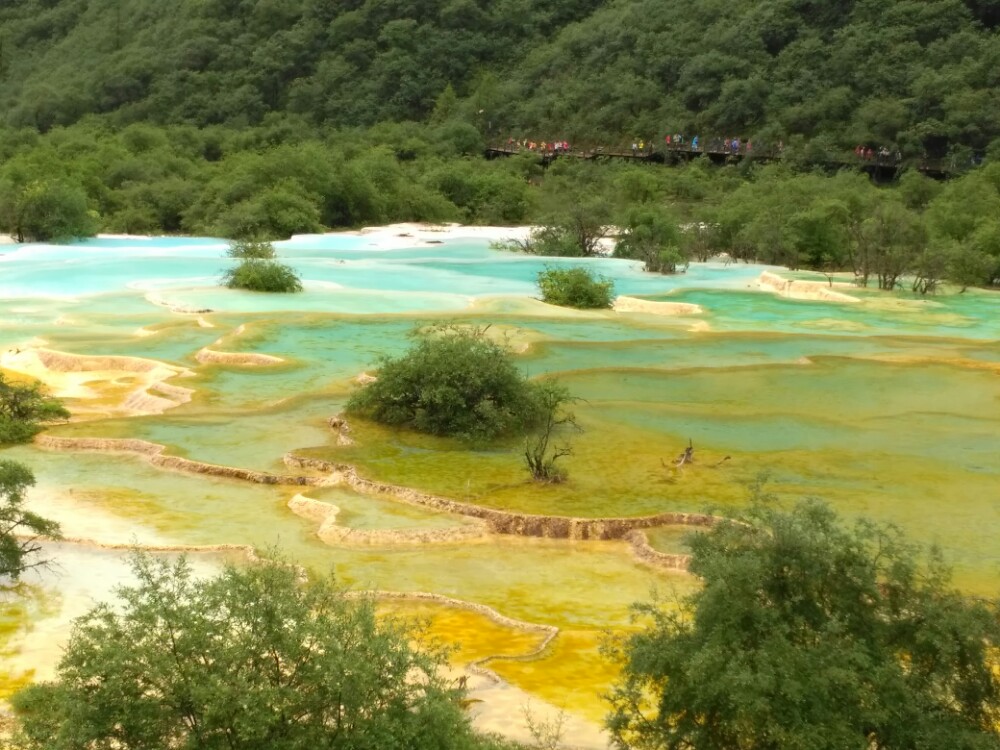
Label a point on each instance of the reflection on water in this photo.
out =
(887, 408)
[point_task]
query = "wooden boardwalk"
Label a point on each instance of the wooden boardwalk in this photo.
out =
(881, 168)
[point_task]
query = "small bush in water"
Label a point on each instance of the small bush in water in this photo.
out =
(258, 271)
(575, 287)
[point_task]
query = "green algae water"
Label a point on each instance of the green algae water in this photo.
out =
(888, 408)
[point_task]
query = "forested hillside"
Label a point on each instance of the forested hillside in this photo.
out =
(917, 75)
(212, 61)
(265, 118)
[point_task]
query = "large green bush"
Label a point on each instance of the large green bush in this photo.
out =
(575, 287)
(456, 382)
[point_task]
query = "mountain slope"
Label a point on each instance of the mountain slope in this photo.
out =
(919, 75)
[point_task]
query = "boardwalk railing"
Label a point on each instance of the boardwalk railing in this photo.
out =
(721, 151)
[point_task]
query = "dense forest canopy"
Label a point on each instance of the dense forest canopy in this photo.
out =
(917, 75)
(267, 118)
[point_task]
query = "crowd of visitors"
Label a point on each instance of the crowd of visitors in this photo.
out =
(882, 155)
(645, 147)
(729, 145)
(542, 147)
(734, 145)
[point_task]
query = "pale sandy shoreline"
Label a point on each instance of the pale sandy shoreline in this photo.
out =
(387, 237)
(414, 234)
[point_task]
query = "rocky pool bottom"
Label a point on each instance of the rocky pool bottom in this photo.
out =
(887, 408)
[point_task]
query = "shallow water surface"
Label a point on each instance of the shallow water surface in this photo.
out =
(888, 408)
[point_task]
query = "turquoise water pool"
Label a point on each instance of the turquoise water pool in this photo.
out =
(889, 407)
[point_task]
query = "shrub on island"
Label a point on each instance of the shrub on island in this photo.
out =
(258, 271)
(576, 287)
(455, 382)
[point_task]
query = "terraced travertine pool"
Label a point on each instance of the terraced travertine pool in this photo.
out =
(888, 407)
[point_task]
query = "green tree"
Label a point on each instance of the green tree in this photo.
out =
(277, 211)
(20, 529)
(890, 241)
(45, 210)
(24, 409)
(985, 242)
(885, 238)
(244, 249)
(453, 382)
(819, 234)
(811, 634)
(540, 450)
(967, 266)
(576, 230)
(252, 658)
(575, 209)
(651, 234)
(575, 287)
(929, 269)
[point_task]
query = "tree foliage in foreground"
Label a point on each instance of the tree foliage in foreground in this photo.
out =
(454, 382)
(576, 287)
(20, 529)
(811, 634)
(24, 408)
(253, 658)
